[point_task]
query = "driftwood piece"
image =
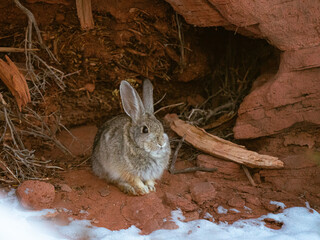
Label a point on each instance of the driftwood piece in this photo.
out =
(15, 81)
(219, 147)
(84, 11)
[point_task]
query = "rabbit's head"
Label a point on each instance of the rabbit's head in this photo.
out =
(146, 131)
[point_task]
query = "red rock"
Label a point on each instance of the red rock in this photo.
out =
(191, 216)
(272, 223)
(256, 178)
(104, 192)
(229, 218)
(198, 13)
(179, 202)
(270, 207)
(253, 200)
(236, 202)
(247, 189)
(290, 96)
(202, 175)
(188, 196)
(286, 99)
(223, 166)
(226, 169)
(288, 26)
(169, 225)
(300, 139)
(36, 194)
(65, 188)
(202, 191)
(144, 212)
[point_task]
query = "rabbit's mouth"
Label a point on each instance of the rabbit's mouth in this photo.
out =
(154, 148)
(158, 153)
(159, 148)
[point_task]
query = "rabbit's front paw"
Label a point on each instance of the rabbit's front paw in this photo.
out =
(150, 184)
(127, 188)
(142, 189)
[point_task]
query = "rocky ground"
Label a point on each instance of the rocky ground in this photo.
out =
(77, 193)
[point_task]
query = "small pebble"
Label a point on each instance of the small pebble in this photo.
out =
(104, 192)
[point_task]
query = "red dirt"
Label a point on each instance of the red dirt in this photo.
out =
(195, 193)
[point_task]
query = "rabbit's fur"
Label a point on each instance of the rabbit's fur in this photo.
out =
(127, 154)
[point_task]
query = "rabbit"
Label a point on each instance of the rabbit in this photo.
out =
(131, 150)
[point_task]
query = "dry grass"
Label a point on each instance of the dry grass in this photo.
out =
(17, 163)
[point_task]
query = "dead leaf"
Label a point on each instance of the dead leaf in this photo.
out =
(15, 81)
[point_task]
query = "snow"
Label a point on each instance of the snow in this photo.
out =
(222, 210)
(234, 210)
(208, 216)
(299, 223)
(278, 204)
(247, 209)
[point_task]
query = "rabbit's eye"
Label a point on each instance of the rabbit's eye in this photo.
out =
(145, 129)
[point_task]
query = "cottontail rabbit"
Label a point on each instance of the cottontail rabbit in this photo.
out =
(131, 150)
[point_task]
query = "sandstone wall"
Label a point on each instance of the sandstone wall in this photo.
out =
(293, 94)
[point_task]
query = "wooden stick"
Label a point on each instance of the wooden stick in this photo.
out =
(12, 49)
(246, 171)
(175, 156)
(194, 169)
(169, 106)
(219, 147)
(84, 12)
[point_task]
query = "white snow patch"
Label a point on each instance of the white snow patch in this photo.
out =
(84, 212)
(247, 209)
(222, 210)
(278, 204)
(234, 210)
(208, 216)
(307, 205)
(16, 223)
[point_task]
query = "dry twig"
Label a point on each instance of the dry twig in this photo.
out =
(181, 39)
(175, 156)
(246, 171)
(169, 106)
(17, 50)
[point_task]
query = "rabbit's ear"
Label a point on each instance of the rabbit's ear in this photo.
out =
(131, 101)
(148, 96)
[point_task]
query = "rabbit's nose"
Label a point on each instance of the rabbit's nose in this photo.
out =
(162, 143)
(163, 140)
